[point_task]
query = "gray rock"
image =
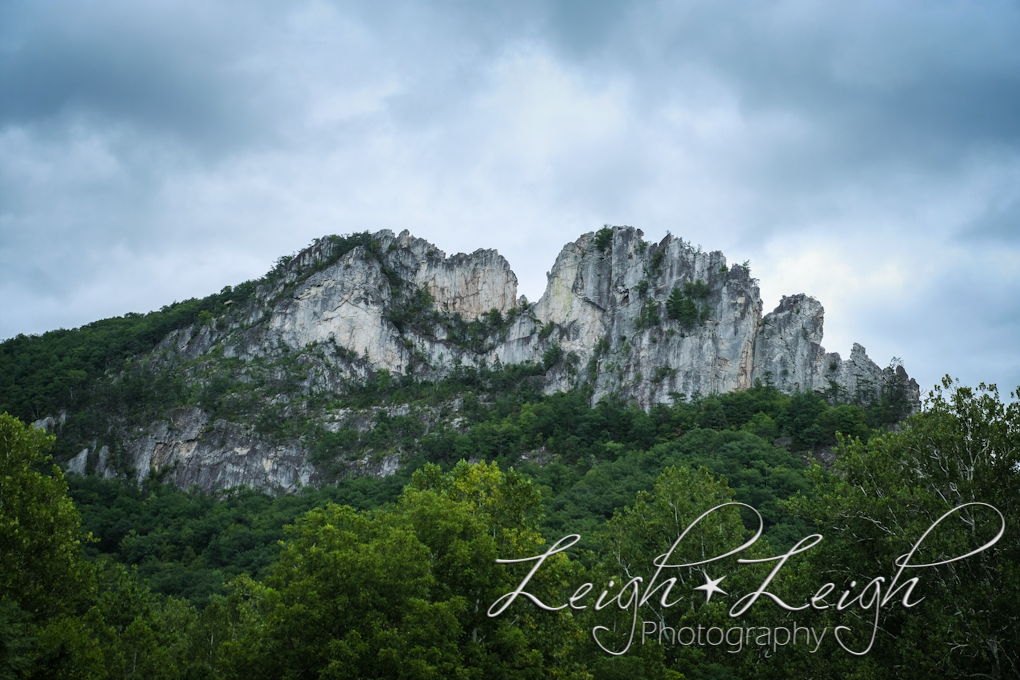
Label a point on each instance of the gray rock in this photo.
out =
(51, 423)
(606, 309)
(79, 464)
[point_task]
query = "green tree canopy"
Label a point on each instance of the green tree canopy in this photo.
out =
(42, 570)
(403, 592)
(963, 448)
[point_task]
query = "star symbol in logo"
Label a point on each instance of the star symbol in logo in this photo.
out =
(711, 587)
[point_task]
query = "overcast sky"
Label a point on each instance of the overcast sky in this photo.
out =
(866, 153)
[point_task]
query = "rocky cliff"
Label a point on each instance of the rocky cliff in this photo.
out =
(647, 321)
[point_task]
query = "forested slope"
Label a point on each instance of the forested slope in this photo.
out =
(348, 519)
(391, 577)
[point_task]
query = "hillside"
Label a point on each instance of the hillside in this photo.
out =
(358, 354)
(338, 470)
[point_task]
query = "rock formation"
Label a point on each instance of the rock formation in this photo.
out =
(647, 321)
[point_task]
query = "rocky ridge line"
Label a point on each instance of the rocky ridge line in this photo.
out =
(647, 321)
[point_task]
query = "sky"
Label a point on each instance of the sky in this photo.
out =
(866, 154)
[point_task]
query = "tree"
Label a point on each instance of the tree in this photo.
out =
(45, 582)
(962, 451)
(404, 591)
(682, 308)
(54, 621)
(635, 537)
(42, 570)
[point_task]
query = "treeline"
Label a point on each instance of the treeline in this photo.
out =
(503, 415)
(587, 462)
(394, 577)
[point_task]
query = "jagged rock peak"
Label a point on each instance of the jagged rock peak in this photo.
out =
(469, 284)
(651, 322)
(647, 320)
(609, 293)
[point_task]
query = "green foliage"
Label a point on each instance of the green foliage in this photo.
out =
(41, 374)
(893, 404)
(96, 372)
(689, 306)
(391, 576)
(682, 308)
(655, 264)
(812, 422)
(604, 238)
(635, 536)
(60, 616)
(42, 571)
(552, 356)
(649, 315)
(661, 373)
(762, 425)
(506, 416)
(962, 448)
(397, 580)
(476, 335)
(697, 289)
(397, 592)
(188, 544)
(415, 310)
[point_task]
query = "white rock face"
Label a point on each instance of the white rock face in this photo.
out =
(594, 295)
(348, 301)
(788, 352)
(470, 285)
(51, 423)
(603, 318)
(79, 464)
(189, 451)
(345, 302)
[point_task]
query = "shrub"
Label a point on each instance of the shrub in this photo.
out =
(656, 263)
(649, 315)
(682, 308)
(661, 373)
(698, 289)
(552, 356)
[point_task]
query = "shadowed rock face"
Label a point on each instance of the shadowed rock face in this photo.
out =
(648, 321)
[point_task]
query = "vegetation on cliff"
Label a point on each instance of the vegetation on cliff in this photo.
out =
(368, 579)
(121, 575)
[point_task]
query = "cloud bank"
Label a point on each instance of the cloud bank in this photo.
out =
(866, 154)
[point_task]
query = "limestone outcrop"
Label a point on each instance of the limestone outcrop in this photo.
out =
(647, 321)
(611, 307)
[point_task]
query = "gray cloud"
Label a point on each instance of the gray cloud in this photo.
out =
(868, 154)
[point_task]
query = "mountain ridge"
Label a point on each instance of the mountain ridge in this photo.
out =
(647, 322)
